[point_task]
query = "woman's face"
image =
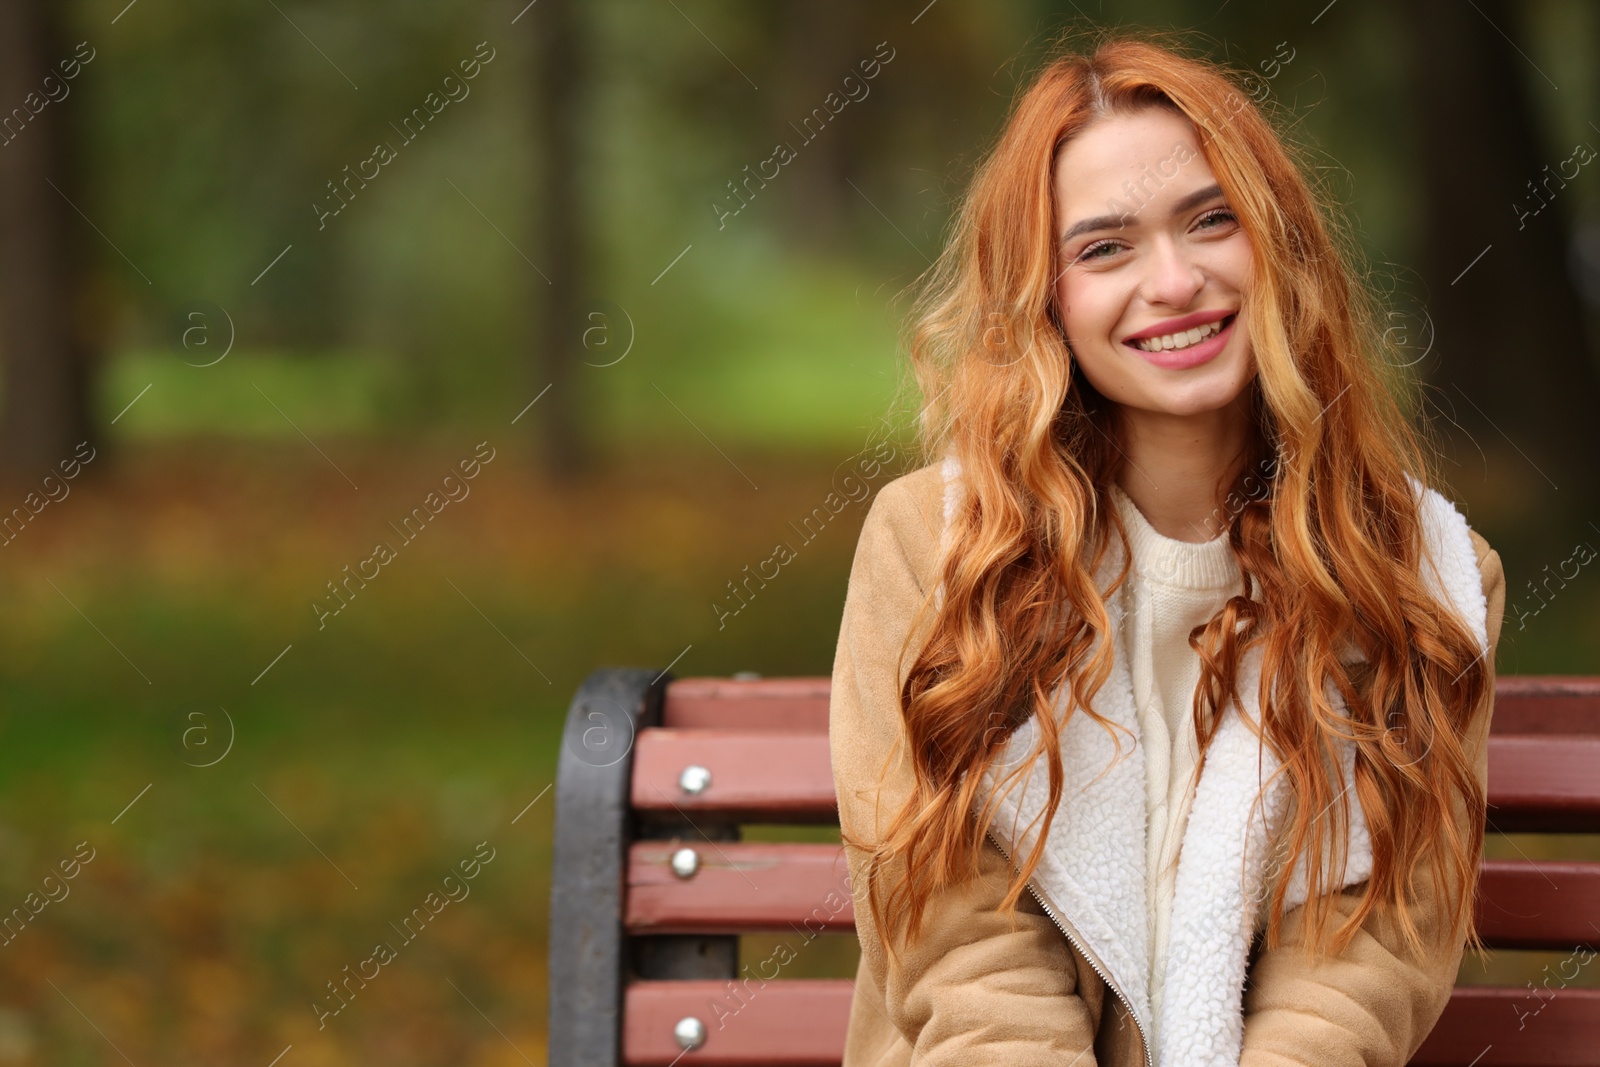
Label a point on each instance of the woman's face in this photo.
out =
(1152, 267)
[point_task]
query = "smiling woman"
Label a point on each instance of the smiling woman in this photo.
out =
(1111, 780)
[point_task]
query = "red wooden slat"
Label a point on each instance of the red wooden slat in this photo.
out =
(789, 704)
(1545, 904)
(742, 887)
(1547, 783)
(796, 1022)
(739, 887)
(1489, 1027)
(755, 776)
(1546, 704)
(801, 1023)
(1544, 783)
(1524, 704)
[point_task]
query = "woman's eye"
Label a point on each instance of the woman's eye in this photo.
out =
(1220, 214)
(1094, 250)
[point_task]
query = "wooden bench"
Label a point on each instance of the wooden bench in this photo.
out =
(652, 885)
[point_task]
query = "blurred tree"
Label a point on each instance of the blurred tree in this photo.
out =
(1510, 324)
(908, 141)
(561, 73)
(44, 412)
(818, 45)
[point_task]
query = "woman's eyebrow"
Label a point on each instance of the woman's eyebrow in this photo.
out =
(1115, 222)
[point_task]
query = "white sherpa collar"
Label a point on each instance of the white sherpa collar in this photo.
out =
(1092, 868)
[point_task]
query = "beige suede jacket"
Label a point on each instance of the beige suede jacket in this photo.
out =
(978, 989)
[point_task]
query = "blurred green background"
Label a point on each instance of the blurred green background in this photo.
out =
(551, 238)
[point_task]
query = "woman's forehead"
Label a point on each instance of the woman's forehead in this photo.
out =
(1151, 155)
(1121, 146)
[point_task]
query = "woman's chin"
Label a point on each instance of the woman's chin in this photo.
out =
(1205, 395)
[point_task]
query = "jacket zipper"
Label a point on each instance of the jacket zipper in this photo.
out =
(1144, 1042)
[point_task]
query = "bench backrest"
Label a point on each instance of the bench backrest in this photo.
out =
(652, 885)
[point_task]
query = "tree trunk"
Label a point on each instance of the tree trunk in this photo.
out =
(1515, 369)
(44, 402)
(562, 77)
(818, 45)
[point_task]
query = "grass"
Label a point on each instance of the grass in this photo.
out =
(808, 365)
(368, 760)
(343, 393)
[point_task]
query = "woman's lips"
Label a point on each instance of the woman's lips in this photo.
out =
(1194, 355)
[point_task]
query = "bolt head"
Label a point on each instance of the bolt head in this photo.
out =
(694, 780)
(690, 1032)
(685, 862)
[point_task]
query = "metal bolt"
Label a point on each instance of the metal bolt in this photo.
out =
(685, 862)
(694, 779)
(690, 1032)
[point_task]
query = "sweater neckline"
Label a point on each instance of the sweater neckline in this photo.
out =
(1185, 564)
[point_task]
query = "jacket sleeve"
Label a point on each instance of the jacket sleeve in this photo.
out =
(974, 988)
(1372, 1005)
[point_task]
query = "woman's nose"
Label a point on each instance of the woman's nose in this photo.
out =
(1172, 277)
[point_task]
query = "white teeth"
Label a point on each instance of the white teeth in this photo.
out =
(1179, 340)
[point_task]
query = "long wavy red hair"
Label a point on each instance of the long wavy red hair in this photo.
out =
(1329, 542)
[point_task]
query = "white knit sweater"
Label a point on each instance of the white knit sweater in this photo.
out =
(1172, 587)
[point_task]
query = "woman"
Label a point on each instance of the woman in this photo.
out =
(1160, 700)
